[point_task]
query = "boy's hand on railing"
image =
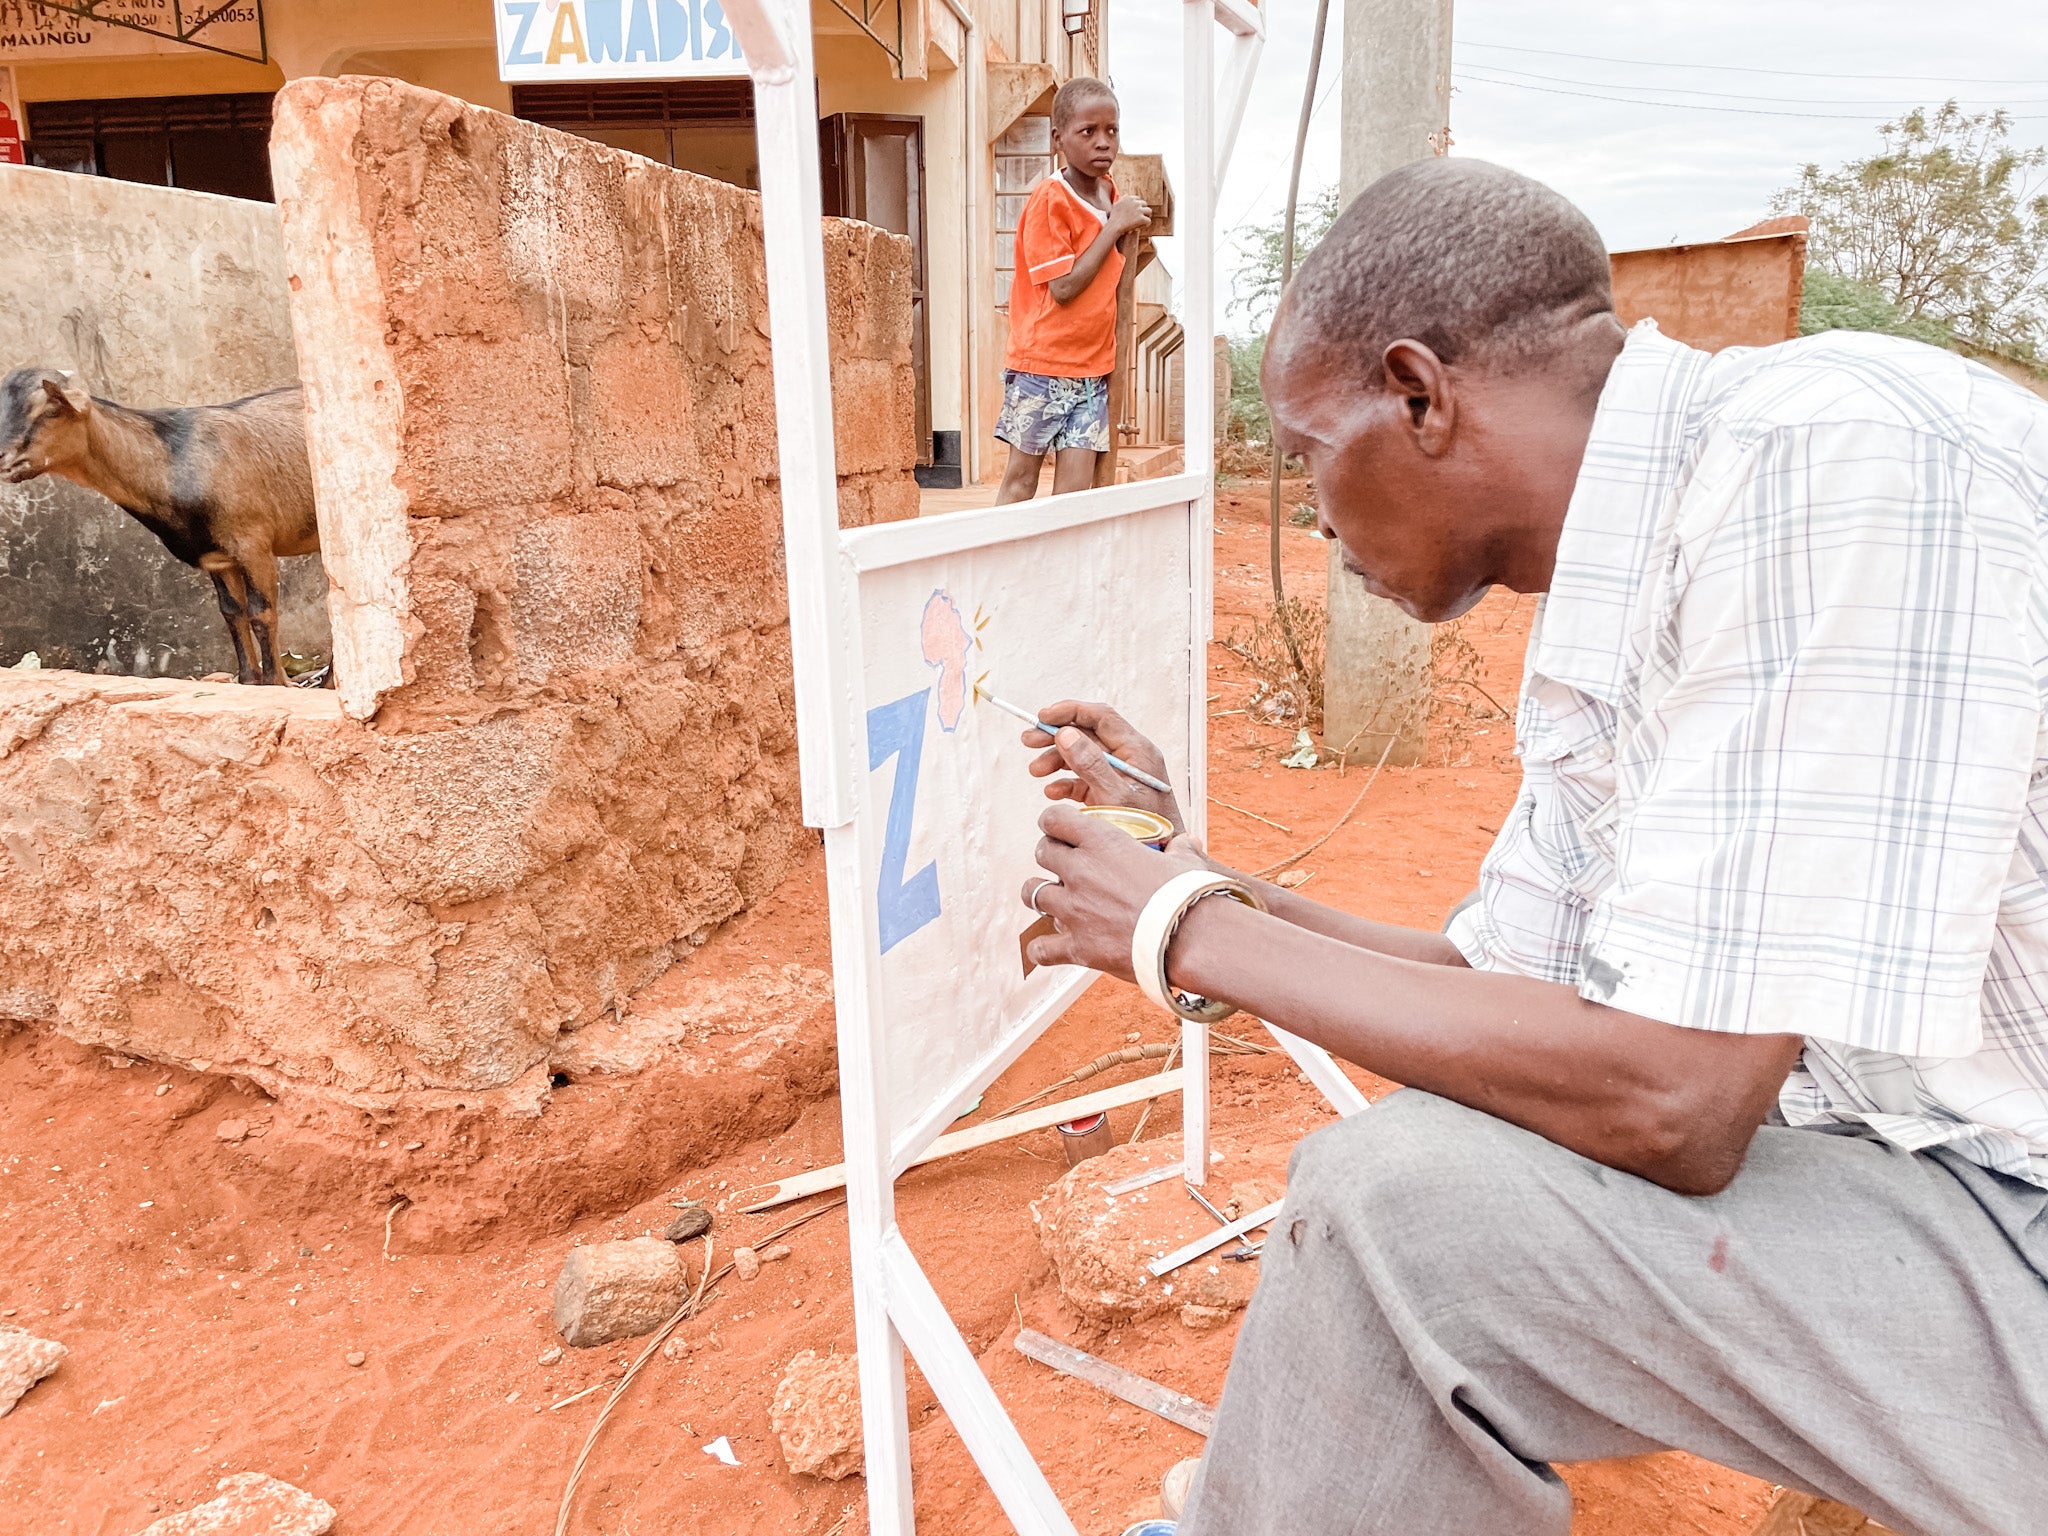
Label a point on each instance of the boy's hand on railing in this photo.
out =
(1127, 214)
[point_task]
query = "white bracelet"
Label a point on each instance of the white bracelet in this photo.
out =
(1154, 935)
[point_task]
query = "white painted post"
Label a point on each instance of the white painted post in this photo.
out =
(831, 756)
(1198, 434)
(1240, 68)
(870, 1184)
(831, 732)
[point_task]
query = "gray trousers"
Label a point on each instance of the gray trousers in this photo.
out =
(1449, 1304)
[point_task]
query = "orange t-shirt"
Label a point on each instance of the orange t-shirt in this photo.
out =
(1062, 341)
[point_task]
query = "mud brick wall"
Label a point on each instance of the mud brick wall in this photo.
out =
(1742, 292)
(563, 746)
(543, 416)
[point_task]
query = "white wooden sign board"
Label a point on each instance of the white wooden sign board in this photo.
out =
(928, 814)
(946, 845)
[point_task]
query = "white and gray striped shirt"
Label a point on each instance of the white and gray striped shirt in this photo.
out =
(1784, 731)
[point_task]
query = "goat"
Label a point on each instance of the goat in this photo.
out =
(227, 488)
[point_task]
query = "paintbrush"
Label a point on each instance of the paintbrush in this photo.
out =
(1122, 767)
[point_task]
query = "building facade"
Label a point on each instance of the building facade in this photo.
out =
(932, 123)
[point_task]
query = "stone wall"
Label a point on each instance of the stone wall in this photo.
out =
(563, 746)
(154, 297)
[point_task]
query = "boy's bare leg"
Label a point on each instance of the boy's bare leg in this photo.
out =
(1073, 469)
(1020, 477)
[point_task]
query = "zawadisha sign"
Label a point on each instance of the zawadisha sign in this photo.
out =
(615, 40)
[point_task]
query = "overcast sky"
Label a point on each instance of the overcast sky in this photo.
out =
(1587, 94)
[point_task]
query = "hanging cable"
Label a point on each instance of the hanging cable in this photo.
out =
(1308, 105)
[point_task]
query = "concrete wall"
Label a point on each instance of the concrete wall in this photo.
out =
(154, 297)
(1726, 293)
(542, 425)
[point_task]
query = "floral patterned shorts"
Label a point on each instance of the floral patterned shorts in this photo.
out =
(1042, 414)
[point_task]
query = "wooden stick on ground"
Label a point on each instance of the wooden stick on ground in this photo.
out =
(819, 1180)
(1303, 853)
(1255, 816)
(1139, 1391)
(1145, 1114)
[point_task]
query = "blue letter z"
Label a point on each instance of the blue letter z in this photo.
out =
(525, 10)
(901, 906)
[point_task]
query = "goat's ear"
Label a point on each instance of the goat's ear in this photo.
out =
(64, 394)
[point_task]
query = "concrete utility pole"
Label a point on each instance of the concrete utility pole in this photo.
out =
(1397, 108)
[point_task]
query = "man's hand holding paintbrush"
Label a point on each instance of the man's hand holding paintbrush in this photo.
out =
(1099, 884)
(1088, 735)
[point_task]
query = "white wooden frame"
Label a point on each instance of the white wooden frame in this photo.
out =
(894, 1303)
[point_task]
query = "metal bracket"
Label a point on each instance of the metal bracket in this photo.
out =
(203, 13)
(865, 13)
(1240, 19)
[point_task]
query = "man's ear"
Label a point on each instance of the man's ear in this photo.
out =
(1418, 378)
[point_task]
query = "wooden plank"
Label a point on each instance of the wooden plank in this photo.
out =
(818, 1180)
(1240, 67)
(1139, 1391)
(825, 641)
(1321, 1068)
(1240, 18)
(1214, 1240)
(824, 628)
(970, 1402)
(923, 538)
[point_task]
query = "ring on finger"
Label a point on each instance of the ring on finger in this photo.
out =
(1036, 890)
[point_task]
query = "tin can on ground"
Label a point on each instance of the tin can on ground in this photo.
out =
(1152, 1528)
(1086, 1138)
(1149, 828)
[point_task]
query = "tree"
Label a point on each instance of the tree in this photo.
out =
(1947, 222)
(1830, 302)
(1256, 291)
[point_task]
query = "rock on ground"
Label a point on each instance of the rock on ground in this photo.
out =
(617, 1290)
(1100, 1244)
(251, 1504)
(24, 1361)
(817, 1415)
(695, 1221)
(1176, 1485)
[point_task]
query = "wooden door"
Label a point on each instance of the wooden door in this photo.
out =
(872, 167)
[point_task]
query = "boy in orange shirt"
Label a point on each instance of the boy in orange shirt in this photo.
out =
(1063, 302)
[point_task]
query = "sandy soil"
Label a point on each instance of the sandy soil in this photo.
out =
(211, 1304)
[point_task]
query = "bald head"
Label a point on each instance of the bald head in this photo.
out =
(1483, 266)
(1438, 363)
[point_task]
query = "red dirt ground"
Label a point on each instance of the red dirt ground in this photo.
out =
(209, 1314)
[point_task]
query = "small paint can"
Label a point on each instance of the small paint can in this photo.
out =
(1149, 828)
(1152, 1528)
(1086, 1138)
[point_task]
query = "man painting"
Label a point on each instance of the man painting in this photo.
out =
(1727, 1117)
